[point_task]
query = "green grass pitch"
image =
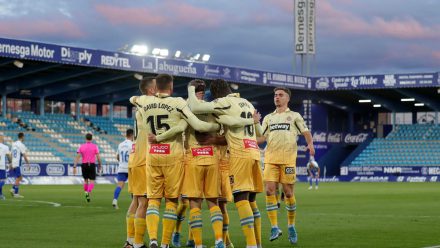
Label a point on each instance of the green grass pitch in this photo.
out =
(336, 215)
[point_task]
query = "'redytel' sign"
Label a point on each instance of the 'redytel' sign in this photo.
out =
(150, 64)
(26, 50)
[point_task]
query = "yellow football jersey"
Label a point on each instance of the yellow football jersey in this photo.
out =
(242, 141)
(200, 155)
(281, 131)
(160, 113)
(139, 149)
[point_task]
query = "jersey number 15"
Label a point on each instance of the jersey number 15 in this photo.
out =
(156, 123)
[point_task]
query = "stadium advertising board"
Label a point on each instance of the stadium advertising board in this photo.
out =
(61, 170)
(391, 173)
(300, 26)
(347, 138)
(375, 81)
(149, 64)
(311, 10)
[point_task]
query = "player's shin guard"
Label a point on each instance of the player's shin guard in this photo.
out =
(181, 213)
(130, 227)
(153, 218)
(316, 181)
(217, 222)
(247, 222)
(272, 209)
(291, 210)
(257, 221)
(226, 238)
(169, 222)
(139, 230)
(86, 187)
(117, 192)
(195, 223)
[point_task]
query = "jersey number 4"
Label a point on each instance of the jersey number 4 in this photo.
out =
(156, 123)
(248, 129)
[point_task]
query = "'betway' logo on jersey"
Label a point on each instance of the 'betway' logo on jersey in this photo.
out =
(177, 69)
(115, 61)
(202, 151)
(160, 149)
(279, 126)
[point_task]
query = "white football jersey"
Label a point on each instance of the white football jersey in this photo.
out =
(18, 150)
(313, 166)
(4, 150)
(124, 150)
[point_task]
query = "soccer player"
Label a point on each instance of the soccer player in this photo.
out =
(165, 168)
(136, 222)
(202, 174)
(124, 150)
(314, 171)
(280, 130)
(88, 151)
(18, 154)
(245, 173)
(4, 153)
(136, 215)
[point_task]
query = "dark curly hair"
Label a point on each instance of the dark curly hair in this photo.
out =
(220, 88)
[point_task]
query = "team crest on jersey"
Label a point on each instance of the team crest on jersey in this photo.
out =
(160, 149)
(289, 118)
(279, 126)
(231, 180)
(289, 170)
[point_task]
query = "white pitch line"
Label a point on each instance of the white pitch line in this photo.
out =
(81, 207)
(437, 246)
(54, 204)
(375, 215)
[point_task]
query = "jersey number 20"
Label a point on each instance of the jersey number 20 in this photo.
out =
(248, 129)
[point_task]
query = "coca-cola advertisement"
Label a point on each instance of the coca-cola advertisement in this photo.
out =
(355, 138)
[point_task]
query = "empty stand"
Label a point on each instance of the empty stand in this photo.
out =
(406, 145)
